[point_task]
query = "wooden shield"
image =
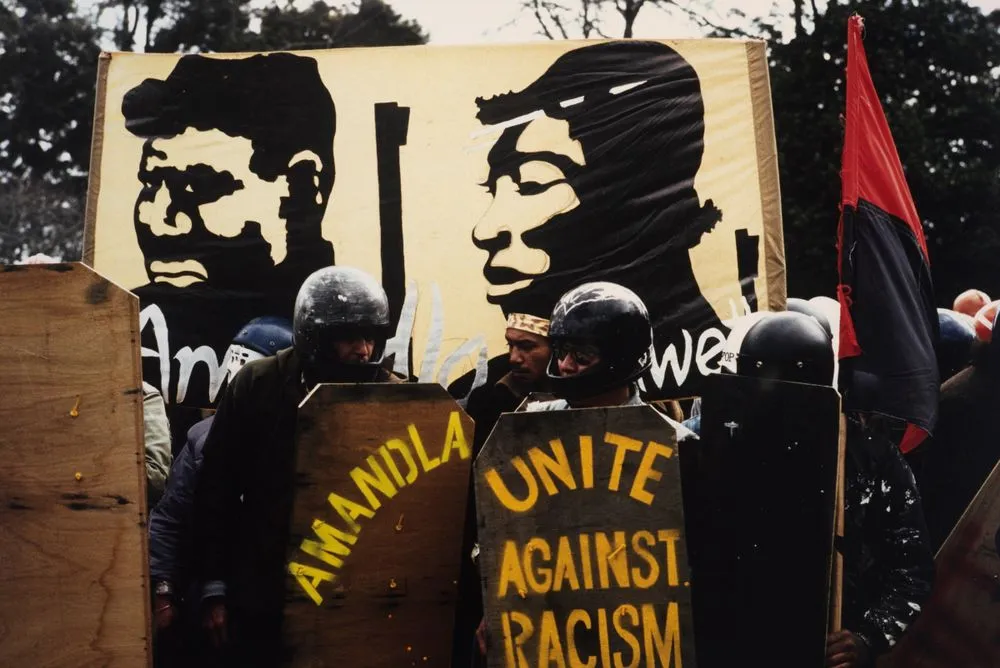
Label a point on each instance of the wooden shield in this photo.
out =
(760, 497)
(375, 547)
(581, 530)
(72, 478)
(960, 624)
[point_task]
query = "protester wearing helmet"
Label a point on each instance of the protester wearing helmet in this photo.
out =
(528, 355)
(170, 522)
(601, 342)
(244, 492)
(888, 564)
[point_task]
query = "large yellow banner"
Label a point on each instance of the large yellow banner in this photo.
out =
(474, 181)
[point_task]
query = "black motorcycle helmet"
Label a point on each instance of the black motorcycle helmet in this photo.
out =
(610, 318)
(787, 346)
(339, 304)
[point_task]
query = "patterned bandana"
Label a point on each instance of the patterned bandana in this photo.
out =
(528, 323)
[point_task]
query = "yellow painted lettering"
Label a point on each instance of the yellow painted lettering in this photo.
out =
(607, 554)
(547, 466)
(509, 501)
(623, 445)
(349, 511)
(603, 641)
(376, 478)
(565, 566)
(670, 536)
(331, 542)
(510, 570)
(572, 654)
(539, 579)
(309, 578)
(527, 629)
(587, 461)
(666, 645)
(454, 437)
(617, 620)
(588, 572)
(646, 471)
(550, 649)
(508, 641)
(403, 448)
(390, 464)
(427, 464)
(642, 551)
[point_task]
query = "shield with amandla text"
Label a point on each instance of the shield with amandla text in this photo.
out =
(382, 476)
(583, 556)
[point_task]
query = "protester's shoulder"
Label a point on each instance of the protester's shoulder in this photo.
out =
(199, 430)
(267, 367)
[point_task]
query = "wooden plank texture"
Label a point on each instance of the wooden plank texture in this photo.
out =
(960, 624)
(374, 553)
(73, 577)
(760, 490)
(583, 551)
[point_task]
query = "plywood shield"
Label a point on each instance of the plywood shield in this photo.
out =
(375, 547)
(72, 479)
(760, 497)
(960, 624)
(583, 552)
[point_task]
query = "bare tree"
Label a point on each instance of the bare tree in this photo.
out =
(566, 19)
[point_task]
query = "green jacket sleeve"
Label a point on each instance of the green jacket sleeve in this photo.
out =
(156, 430)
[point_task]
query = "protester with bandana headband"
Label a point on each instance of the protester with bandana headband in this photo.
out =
(528, 356)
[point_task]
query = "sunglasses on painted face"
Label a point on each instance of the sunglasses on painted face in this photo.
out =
(583, 354)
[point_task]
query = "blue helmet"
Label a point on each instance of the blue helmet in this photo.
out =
(259, 338)
(957, 336)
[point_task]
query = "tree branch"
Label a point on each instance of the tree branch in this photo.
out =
(535, 6)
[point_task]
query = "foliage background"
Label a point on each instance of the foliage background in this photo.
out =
(935, 64)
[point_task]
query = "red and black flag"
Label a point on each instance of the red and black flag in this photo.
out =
(888, 321)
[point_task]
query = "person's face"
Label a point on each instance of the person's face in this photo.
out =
(354, 351)
(528, 189)
(198, 196)
(573, 358)
(529, 355)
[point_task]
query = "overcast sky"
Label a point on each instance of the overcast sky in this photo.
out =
(474, 21)
(478, 21)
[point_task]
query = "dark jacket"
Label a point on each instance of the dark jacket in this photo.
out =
(485, 406)
(888, 564)
(487, 403)
(249, 453)
(964, 448)
(170, 522)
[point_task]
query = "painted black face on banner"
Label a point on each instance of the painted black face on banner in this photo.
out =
(529, 180)
(592, 176)
(198, 193)
(236, 170)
